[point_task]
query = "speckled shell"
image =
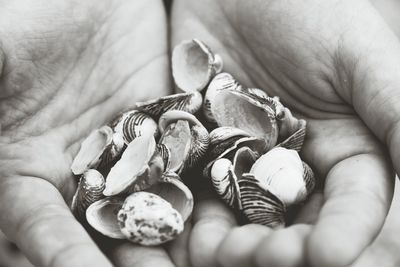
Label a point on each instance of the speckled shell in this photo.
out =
(92, 149)
(194, 65)
(148, 219)
(139, 167)
(190, 102)
(90, 189)
(221, 82)
(102, 216)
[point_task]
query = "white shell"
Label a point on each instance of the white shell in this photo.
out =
(91, 150)
(102, 216)
(148, 219)
(139, 167)
(194, 65)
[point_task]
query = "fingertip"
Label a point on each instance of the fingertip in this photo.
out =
(283, 248)
(237, 247)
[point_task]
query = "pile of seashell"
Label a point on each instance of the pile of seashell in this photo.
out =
(250, 156)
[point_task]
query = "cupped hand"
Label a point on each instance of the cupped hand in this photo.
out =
(67, 67)
(336, 64)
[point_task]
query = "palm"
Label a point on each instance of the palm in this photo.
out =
(68, 68)
(297, 51)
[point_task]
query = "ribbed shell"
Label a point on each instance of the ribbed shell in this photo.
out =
(189, 102)
(223, 138)
(296, 140)
(90, 189)
(259, 205)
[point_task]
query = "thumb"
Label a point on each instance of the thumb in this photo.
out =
(367, 64)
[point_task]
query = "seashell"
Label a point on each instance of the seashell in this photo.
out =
(132, 124)
(148, 219)
(165, 154)
(91, 150)
(102, 216)
(172, 189)
(256, 145)
(185, 137)
(282, 172)
(248, 111)
(194, 65)
(296, 140)
(139, 167)
(222, 138)
(189, 102)
(90, 189)
(221, 82)
(225, 175)
(259, 205)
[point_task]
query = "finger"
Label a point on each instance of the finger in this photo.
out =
(178, 248)
(212, 220)
(385, 249)
(283, 248)
(129, 254)
(308, 214)
(35, 216)
(231, 254)
(358, 192)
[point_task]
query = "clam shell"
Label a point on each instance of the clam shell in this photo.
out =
(132, 124)
(92, 149)
(246, 110)
(282, 171)
(224, 181)
(288, 124)
(190, 102)
(102, 216)
(221, 82)
(172, 189)
(222, 138)
(148, 219)
(194, 65)
(296, 140)
(259, 205)
(90, 189)
(185, 137)
(139, 167)
(165, 153)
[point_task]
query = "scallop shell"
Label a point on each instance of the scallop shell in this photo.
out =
(148, 219)
(248, 111)
(139, 167)
(283, 173)
(190, 102)
(221, 82)
(259, 205)
(172, 189)
(90, 189)
(102, 216)
(92, 149)
(185, 137)
(222, 138)
(194, 65)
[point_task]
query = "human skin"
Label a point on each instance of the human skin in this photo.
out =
(67, 67)
(336, 64)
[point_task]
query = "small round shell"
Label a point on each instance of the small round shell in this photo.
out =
(282, 172)
(148, 219)
(221, 82)
(92, 149)
(189, 102)
(90, 189)
(102, 216)
(296, 140)
(194, 65)
(139, 167)
(225, 183)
